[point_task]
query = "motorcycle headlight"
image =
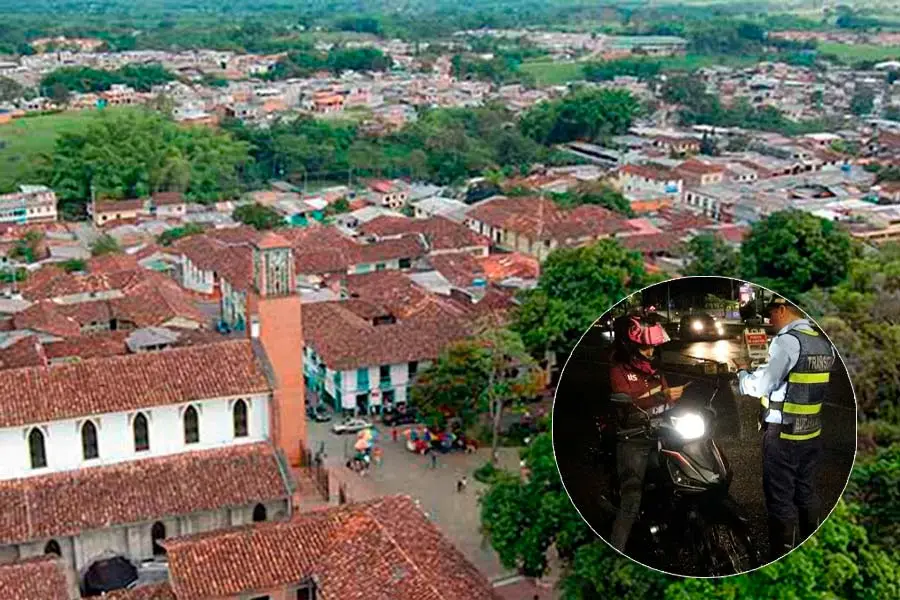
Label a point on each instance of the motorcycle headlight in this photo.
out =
(697, 326)
(719, 328)
(689, 427)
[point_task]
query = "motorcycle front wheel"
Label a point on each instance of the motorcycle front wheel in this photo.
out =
(729, 547)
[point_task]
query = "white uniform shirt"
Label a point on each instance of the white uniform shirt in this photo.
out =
(769, 380)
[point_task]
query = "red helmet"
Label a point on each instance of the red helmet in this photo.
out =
(645, 333)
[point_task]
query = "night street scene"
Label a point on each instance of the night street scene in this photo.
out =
(703, 510)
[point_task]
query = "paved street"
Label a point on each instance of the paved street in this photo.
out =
(403, 472)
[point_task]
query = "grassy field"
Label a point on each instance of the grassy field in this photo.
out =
(549, 72)
(561, 72)
(24, 141)
(855, 52)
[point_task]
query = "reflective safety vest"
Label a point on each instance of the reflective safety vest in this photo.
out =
(807, 384)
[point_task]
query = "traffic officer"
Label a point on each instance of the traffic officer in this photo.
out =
(791, 386)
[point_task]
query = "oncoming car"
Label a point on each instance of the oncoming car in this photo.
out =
(700, 327)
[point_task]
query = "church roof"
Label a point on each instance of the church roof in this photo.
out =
(150, 489)
(126, 383)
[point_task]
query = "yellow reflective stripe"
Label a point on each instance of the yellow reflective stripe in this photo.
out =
(800, 437)
(809, 377)
(807, 331)
(802, 409)
(764, 401)
(656, 390)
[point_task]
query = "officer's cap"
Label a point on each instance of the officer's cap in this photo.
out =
(775, 302)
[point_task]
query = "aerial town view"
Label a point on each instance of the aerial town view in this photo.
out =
(287, 288)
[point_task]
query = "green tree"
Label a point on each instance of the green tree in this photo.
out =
(575, 287)
(105, 244)
(135, 153)
(10, 90)
(862, 102)
(793, 251)
(258, 216)
(584, 114)
(59, 94)
(513, 376)
(711, 255)
(166, 238)
(453, 384)
(73, 265)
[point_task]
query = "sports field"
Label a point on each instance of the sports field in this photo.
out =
(25, 142)
(856, 52)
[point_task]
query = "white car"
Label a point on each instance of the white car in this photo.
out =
(350, 426)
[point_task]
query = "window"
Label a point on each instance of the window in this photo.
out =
(362, 379)
(413, 369)
(240, 419)
(141, 433)
(36, 449)
(405, 263)
(259, 513)
(52, 547)
(380, 267)
(89, 448)
(307, 592)
(384, 373)
(157, 534)
(191, 426)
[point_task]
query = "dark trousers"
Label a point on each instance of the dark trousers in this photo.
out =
(790, 471)
(632, 457)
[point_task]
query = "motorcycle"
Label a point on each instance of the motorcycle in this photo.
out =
(688, 521)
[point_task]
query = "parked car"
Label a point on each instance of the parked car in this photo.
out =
(406, 417)
(318, 413)
(700, 327)
(350, 426)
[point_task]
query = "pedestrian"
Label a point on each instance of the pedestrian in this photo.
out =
(394, 434)
(791, 386)
(377, 454)
(462, 484)
(433, 459)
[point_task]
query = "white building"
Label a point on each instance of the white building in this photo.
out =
(31, 204)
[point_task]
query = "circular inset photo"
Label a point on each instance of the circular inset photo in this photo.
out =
(704, 426)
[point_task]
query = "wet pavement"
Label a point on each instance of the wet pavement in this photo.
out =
(586, 469)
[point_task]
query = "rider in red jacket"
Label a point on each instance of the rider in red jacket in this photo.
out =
(634, 373)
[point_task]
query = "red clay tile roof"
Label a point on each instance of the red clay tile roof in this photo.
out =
(346, 340)
(542, 219)
(234, 264)
(57, 283)
(94, 345)
(650, 242)
(24, 352)
(405, 557)
(102, 206)
(271, 239)
(155, 591)
(243, 234)
(652, 173)
(112, 263)
(460, 269)
(161, 198)
(441, 233)
(40, 578)
(122, 383)
(390, 289)
(503, 266)
(67, 503)
(694, 167)
(323, 250)
(47, 317)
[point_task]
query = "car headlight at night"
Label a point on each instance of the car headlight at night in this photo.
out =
(697, 326)
(690, 426)
(719, 329)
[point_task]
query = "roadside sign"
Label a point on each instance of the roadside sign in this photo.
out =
(756, 344)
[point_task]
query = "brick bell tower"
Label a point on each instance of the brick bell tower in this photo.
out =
(274, 318)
